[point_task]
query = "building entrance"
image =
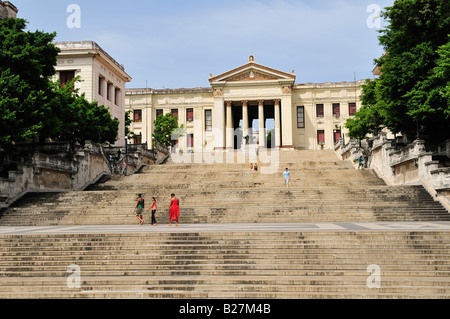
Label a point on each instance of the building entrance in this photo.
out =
(246, 124)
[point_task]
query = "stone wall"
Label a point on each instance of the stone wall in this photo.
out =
(408, 165)
(52, 168)
(350, 152)
(136, 156)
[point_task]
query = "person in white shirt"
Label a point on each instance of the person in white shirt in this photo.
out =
(287, 177)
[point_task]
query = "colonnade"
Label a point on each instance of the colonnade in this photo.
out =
(229, 137)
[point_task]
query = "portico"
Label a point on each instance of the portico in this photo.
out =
(249, 122)
(246, 100)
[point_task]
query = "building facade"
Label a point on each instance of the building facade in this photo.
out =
(7, 10)
(246, 105)
(103, 78)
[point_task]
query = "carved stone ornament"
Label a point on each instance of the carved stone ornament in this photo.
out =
(218, 92)
(287, 89)
(252, 76)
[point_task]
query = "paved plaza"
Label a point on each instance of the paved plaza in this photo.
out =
(248, 227)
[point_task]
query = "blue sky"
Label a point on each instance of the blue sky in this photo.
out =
(177, 44)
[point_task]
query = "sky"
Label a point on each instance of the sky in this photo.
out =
(179, 43)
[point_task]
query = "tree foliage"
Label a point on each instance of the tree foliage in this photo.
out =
(128, 132)
(31, 104)
(27, 62)
(412, 91)
(167, 132)
(78, 119)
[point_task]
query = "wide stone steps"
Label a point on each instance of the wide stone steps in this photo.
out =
(144, 294)
(166, 262)
(226, 217)
(225, 205)
(227, 265)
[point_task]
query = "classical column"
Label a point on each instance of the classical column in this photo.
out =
(286, 119)
(244, 120)
(262, 133)
(229, 138)
(277, 124)
(219, 121)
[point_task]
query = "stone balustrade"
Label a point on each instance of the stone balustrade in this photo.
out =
(408, 165)
(56, 168)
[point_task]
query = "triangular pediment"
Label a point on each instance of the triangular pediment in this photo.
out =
(252, 72)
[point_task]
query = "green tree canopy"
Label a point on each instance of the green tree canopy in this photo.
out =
(27, 62)
(129, 133)
(31, 104)
(167, 132)
(367, 119)
(78, 119)
(412, 90)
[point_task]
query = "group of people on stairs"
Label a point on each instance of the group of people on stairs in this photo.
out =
(174, 210)
(174, 207)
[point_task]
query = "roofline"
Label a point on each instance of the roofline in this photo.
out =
(169, 91)
(211, 90)
(85, 46)
(249, 64)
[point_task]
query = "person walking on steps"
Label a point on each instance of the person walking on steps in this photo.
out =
(360, 162)
(174, 210)
(287, 177)
(140, 204)
(124, 168)
(153, 208)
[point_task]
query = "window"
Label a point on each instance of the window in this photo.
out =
(319, 110)
(337, 136)
(321, 137)
(108, 91)
(138, 139)
(336, 109)
(66, 76)
(137, 116)
(208, 120)
(117, 96)
(101, 80)
(190, 140)
(159, 112)
(300, 117)
(351, 108)
(174, 112)
(189, 115)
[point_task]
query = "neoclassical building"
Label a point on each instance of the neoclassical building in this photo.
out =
(103, 79)
(245, 105)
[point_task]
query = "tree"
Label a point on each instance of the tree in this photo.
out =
(32, 105)
(269, 139)
(410, 96)
(367, 119)
(78, 119)
(27, 62)
(167, 132)
(128, 133)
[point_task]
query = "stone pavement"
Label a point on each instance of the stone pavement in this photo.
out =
(230, 227)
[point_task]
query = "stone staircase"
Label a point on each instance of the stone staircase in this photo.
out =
(240, 264)
(227, 265)
(326, 190)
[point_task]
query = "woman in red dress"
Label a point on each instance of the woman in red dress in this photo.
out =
(174, 210)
